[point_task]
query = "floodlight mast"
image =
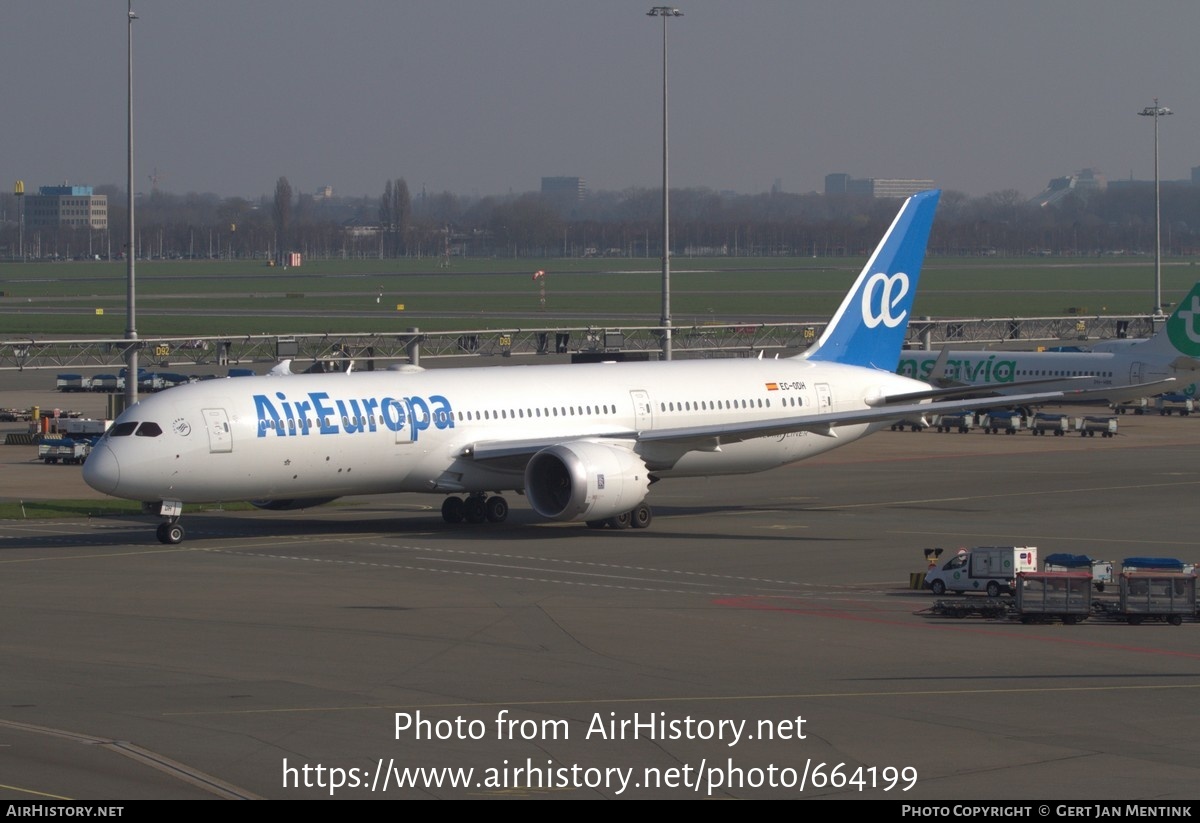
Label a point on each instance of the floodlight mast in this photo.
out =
(665, 12)
(131, 351)
(1156, 111)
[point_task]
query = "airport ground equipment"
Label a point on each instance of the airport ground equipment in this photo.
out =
(1042, 597)
(73, 383)
(1164, 596)
(1043, 422)
(961, 422)
(1100, 570)
(1156, 564)
(991, 608)
(109, 383)
(63, 450)
(1138, 405)
(76, 428)
(995, 422)
(990, 569)
(1088, 426)
(918, 425)
(1168, 404)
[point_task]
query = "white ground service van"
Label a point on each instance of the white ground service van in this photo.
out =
(990, 569)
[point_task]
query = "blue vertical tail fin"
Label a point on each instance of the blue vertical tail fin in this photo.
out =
(869, 327)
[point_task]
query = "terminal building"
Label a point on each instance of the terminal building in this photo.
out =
(70, 206)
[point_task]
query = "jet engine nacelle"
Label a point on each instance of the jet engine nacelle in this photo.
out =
(583, 480)
(291, 505)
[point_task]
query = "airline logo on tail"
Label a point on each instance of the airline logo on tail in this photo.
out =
(887, 300)
(1182, 326)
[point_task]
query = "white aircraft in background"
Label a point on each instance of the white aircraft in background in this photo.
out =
(1113, 370)
(582, 442)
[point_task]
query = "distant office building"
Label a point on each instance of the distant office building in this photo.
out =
(564, 189)
(836, 183)
(897, 187)
(74, 206)
(840, 183)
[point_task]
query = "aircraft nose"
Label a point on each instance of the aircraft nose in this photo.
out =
(101, 470)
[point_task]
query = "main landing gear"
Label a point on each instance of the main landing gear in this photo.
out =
(477, 508)
(638, 517)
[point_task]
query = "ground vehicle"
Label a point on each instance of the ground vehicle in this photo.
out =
(1101, 570)
(1046, 596)
(1008, 422)
(1043, 422)
(1138, 405)
(1088, 426)
(1166, 596)
(958, 421)
(1168, 404)
(990, 569)
(62, 450)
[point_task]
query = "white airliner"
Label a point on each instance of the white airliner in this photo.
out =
(1113, 370)
(581, 442)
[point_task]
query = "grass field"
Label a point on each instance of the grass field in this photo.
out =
(87, 299)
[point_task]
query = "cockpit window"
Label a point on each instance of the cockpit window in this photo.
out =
(149, 430)
(123, 429)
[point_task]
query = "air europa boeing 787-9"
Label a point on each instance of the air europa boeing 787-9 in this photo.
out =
(581, 442)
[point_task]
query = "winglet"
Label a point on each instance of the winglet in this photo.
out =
(869, 327)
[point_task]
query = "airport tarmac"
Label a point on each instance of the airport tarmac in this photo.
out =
(761, 633)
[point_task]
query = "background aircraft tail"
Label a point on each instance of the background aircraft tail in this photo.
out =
(869, 327)
(1182, 328)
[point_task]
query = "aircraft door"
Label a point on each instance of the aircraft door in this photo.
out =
(1137, 372)
(220, 438)
(643, 412)
(824, 398)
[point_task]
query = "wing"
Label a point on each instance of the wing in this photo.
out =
(1003, 391)
(513, 453)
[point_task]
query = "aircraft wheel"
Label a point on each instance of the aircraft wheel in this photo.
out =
(938, 587)
(453, 510)
(641, 516)
(170, 533)
(620, 521)
(496, 509)
(473, 510)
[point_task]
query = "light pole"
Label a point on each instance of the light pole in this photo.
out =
(131, 354)
(665, 12)
(1156, 111)
(19, 193)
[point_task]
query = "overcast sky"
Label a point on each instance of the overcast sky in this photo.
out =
(487, 97)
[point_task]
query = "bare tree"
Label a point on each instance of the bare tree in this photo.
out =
(282, 214)
(386, 215)
(401, 216)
